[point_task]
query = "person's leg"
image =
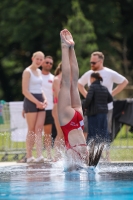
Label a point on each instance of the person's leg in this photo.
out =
(102, 131)
(59, 140)
(30, 139)
(48, 133)
(109, 121)
(85, 131)
(65, 111)
(91, 128)
(38, 132)
(99, 128)
(75, 98)
(48, 139)
(57, 124)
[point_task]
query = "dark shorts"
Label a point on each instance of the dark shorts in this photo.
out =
(49, 118)
(30, 107)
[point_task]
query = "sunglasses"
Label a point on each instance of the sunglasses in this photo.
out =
(49, 63)
(93, 63)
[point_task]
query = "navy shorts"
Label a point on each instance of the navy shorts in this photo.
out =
(30, 107)
(49, 118)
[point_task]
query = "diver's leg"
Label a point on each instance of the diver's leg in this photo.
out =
(65, 111)
(75, 98)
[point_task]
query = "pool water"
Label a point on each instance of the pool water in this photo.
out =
(49, 181)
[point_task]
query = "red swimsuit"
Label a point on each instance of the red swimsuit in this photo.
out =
(75, 123)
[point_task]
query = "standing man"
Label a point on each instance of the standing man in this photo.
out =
(109, 78)
(47, 88)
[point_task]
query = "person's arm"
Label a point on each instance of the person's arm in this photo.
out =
(25, 91)
(23, 113)
(82, 82)
(110, 98)
(89, 97)
(45, 99)
(82, 90)
(119, 87)
(56, 87)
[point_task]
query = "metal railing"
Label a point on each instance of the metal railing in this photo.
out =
(10, 147)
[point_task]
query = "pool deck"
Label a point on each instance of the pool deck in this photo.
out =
(2, 164)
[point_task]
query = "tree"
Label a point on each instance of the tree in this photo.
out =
(113, 27)
(26, 27)
(84, 36)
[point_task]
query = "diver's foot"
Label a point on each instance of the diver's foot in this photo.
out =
(64, 41)
(69, 37)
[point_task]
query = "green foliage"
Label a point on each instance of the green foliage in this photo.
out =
(84, 36)
(26, 27)
(113, 24)
(29, 26)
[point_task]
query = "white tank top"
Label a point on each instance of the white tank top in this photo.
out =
(35, 83)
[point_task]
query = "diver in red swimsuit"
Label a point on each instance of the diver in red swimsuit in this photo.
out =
(75, 123)
(69, 109)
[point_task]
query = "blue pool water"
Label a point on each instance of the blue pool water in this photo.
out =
(49, 181)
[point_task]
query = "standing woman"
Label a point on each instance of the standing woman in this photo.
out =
(34, 106)
(96, 105)
(59, 140)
